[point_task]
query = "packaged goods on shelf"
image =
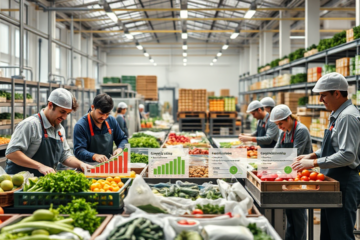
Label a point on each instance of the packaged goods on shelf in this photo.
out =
(357, 65)
(318, 125)
(343, 66)
(314, 74)
(349, 35)
(306, 120)
(283, 62)
(280, 98)
(210, 94)
(200, 100)
(216, 104)
(229, 104)
(328, 69)
(185, 100)
(224, 92)
(147, 86)
(352, 66)
(315, 100)
(311, 52)
(88, 82)
(291, 100)
(282, 80)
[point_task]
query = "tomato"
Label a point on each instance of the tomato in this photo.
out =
(274, 176)
(229, 214)
(271, 179)
(296, 179)
(291, 180)
(313, 175)
(321, 177)
(278, 179)
(305, 173)
(197, 211)
(304, 178)
(299, 175)
(191, 223)
(264, 179)
(183, 222)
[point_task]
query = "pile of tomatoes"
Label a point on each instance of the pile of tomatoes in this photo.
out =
(198, 151)
(303, 176)
(251, 151)
(174, 139)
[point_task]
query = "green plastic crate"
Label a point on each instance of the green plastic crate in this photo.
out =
(115, 79)
(106, 80)
(38, 200)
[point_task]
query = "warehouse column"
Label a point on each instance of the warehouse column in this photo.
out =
(253, 58)
(267, 47)
(261, 49)
(77, 57)
(284, 35)
(357, 13)
(90, 47)
(51, 36)
(312, 22)
(246, 65)
(102, 68)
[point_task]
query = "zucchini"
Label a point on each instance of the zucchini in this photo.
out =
(190, 192)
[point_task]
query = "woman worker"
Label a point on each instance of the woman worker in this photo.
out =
(294, 135)
(120, 118)
(268, 104)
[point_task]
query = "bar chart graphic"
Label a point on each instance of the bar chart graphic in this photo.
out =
(165, 165)
(174, 167)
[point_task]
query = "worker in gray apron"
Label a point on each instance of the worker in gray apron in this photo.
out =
(266, 133)
(294, 135)
(339, 156)
(96, 132)
(38, 143)
(120, 118)
(268, 104)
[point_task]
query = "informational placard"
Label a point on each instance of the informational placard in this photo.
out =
(168, 163)
(115, 166)
(227, 162)
(276, 163)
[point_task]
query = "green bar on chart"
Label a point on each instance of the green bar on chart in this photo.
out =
(183, 166)
(175, 166)
(171, 167)
(163, 169)
(155, 170)
(167, 168)
(159, 170)
(179, 165)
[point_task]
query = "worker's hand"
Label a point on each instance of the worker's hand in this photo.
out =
(307, 156)
(46, 170)
(100, 158)
(117, 151)
(244, 138)
(87, 166)
(302, 164)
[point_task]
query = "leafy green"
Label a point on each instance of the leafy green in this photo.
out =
(258, 233)
(211, 209)
(62, 181)
(297, 54)
(83, 213)
(338, 39)
(275, 63)
(298, 78)
(144, 142)
(356, 32)
(139, 158)
(137, 135)
(311, 47)
(9, 236)
(303, 101)
(225, 145)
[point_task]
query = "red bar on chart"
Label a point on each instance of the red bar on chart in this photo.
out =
(111, 166)
(97, 169)
(102, 169)
(106, 167)
(125, 162)
(116, 166)
(92, 170)
(120, 164)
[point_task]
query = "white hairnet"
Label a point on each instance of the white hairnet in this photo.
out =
(61, 97)
(122, 105)
(141, 106)
(253, 106)
(268, 102)
(331, 82)
(280, 112)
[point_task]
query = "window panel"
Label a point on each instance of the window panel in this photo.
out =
(4, 33)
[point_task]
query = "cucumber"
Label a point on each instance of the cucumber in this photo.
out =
(43, 215)
(40, 232)
(190, 192)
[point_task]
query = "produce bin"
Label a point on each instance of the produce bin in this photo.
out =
(7, 218)
(106, 201)
(253, 213)
(7, 198)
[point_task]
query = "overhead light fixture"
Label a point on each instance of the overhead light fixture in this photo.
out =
(215, 59)
(184, 35)
(219, 54)
(155, 64)
(211, 64)
(128, 35)
(138, 46)
(151, 60)
(184, 54)
(252, 10)
(226, 46)
(235, 34)
(146, 54)
(297, 37)
(184, 47)
(184, 60)
(183, 11)
(184, 64)
(112, 16)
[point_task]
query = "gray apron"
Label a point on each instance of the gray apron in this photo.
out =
(100, 143)
(338, 223)
(125, 129)
(49, 153)
(296, 218)
(261, 131)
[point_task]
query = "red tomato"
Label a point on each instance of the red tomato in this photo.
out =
(229, 214)
(299, 175)
(271, 179)
(291, 180)
(197, 211)
(304, 178)
(321, 177)
(305, 172)
(264, 179)
(296, 179)
(278, 179)
(191, 223)
(274, 176)
(182, 222)
(313, 175)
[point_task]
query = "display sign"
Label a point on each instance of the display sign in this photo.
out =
(228, 162)
(168, 163)
(115, 166)
(276, 163)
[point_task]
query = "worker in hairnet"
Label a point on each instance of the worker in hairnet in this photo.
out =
(339, 156)
(294, 135)
(39, 143)
(143, 114)
(266, 133)
(120, 118)
(268, 103)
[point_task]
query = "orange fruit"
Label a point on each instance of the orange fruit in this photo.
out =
(111, 188)
(96, 190)
(108, 191)
(106, 187)
(109, 179)
(102, 190)
(120, 184)
(132, 174)
(107, 182)
(94, 181)
(115, 189)
(117, 179)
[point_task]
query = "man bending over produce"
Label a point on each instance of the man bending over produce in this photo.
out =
(95, 132)
(39, 142)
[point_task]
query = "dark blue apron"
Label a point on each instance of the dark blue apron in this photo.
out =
(296, 218)
(101, 143)
(49, 153)
(125, 129)
(338, 223)
(261, 131)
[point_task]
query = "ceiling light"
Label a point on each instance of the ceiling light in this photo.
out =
(225, 47)
(297, 37)
(155, 64)
(184, 35)
(252, 10)
(112, 16)
(146, 54)
(139, 46)
(184, 60)
(151, 60)
(219, 54)
(183, 11)
(127, 34)
(184, 54)
(184, 47)
(184, 64)
(235, 34)
(211, 64)
(215, 60)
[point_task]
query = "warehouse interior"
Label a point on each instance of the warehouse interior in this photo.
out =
(188, 70)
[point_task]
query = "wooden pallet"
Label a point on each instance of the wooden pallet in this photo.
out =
(223, 115)
(151, 99)
(191, 114)
(328, 185)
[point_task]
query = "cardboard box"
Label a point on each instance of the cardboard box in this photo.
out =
(88, 82)
(225, 92)
(349, 35)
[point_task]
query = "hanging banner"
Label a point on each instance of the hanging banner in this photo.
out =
(168, 163)
(227, 162)
(276, 163)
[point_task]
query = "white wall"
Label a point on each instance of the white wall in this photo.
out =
(170, 70)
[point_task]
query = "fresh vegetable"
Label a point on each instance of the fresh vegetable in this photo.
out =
(138, 135)
(138, 228)
(83, 213)
(151, 209)
(303, 101)
(313, 176)
(188, 235)
(275, 63)
(139, 158)
(297, 54)
(198, 151)
(197, 211)
(189, 192)
(305, 172)
(258, 233)
(320, 177)
(144, 142)
(108, 185)
(62, 181)
(210, 209)
(298, 78)
(304, 178)
(225, 145)
(174, 139)
(199, 171)
(186, 222)
(311, 47)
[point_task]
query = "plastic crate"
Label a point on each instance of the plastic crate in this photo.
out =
(37, 200)
(115, 80)
(106, 80)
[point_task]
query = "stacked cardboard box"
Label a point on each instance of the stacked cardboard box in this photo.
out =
(311, 52)
(349, 35)
(315, 100)
(186, 100)
(343, 66)
(306, 120)
(147, 86)
(318, 125)
(280, 98)
(357, 65)
(291, 100)
(314, 74)
(283, 62)
(210, 94)
(88, 82)
(224, 92)
(200, 100)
